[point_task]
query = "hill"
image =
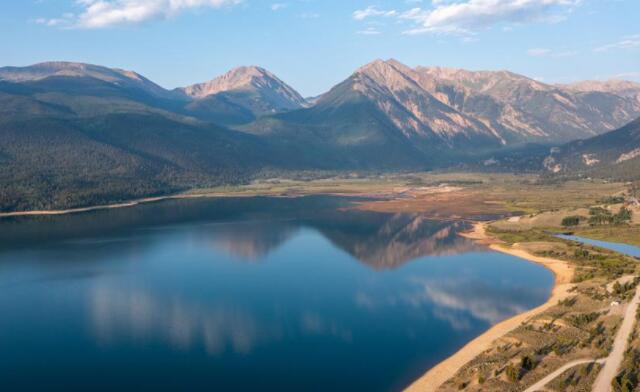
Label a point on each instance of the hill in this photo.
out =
(612, 155)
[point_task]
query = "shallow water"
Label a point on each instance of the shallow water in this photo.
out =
(615, 246)
(245, 294)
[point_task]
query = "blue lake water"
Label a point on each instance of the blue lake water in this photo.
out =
(615, 246)
(245, 294)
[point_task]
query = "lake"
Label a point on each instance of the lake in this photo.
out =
(282, 294)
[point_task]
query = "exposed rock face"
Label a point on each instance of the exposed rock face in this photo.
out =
(253, 88)
(522, 109)
(623, 88)
(486, 108)
(386, 115)
(413, 109)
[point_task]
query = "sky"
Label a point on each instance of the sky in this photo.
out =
(314, 44)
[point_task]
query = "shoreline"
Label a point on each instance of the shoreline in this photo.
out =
(446, 369)
(443, 371)
(179, 196)
(131, 203)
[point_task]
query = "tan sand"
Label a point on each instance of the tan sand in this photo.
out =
(446, 369)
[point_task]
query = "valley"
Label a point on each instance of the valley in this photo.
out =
(306, 195)
(513, 214)
(75, 135)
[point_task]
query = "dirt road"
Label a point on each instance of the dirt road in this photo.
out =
(610, 369)
(539, 386)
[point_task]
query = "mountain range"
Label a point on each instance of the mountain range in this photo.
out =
(74, 134)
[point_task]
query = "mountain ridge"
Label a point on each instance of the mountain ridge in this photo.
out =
(76, 134)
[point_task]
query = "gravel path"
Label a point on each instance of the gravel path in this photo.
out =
(610, 369)
(539, 386)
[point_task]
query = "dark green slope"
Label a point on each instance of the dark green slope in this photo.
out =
(54, 163)
(346, 129)
(68, 141)
(612, 155)
(221, 109)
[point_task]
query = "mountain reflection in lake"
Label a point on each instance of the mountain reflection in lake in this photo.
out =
(241, 294)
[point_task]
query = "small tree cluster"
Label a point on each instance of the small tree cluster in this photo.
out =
(571, 221)
(602, 216)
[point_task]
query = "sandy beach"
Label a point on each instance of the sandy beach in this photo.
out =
(446, 369)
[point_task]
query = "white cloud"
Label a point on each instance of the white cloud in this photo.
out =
(566, 53)
(97, 14)
(52, 22)
(544, 52)
(460, 17)
(368, 31)
(628, 42)
(373, 11)
(538, 52)
(626, 75)
(309, 15)
(278, 6)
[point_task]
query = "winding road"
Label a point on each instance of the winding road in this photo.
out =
(539, 386)
(611, 363)
(610, 369)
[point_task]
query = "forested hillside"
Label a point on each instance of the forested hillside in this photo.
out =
(76, 134)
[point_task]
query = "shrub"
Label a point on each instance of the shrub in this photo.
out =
(571, 221)
(513, 374)
(623, 216)
(527, 363)
(612, 200)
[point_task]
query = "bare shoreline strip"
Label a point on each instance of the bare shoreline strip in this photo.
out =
(96, 208)
(131, 203)
(446, 369)
(283, 194)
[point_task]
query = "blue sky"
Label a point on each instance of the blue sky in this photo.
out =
(314, 44)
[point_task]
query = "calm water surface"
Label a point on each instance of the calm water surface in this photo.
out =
(615, 246)
(245, 294)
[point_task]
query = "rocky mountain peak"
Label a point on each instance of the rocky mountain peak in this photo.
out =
(250, 79)
(245, 77)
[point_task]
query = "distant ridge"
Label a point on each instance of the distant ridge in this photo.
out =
(122, 78)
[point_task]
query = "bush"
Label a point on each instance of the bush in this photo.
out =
(601, 216)
(623, 216)
(580, 320)
(612, 200)
(527, 363)
(571, 221)
(513, 374)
